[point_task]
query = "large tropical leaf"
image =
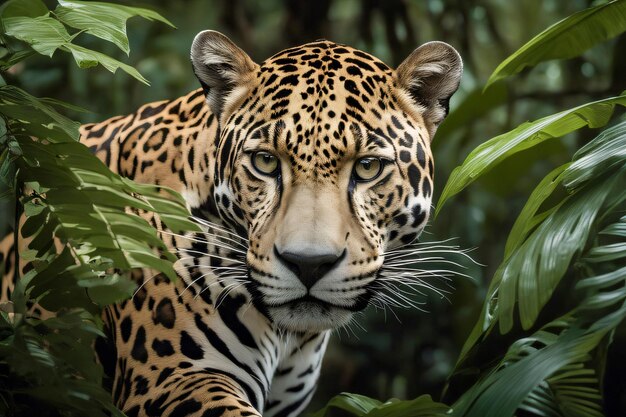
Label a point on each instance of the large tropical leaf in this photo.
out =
(566, 39)
(17, 104)
(104, 20)
(360, 406)
(552, 373)
(88, 206)
(80, 200)
(529, 277)
(535, 262)
(84, 234)
(502, 392)
(356, 405)
(598, 156)
(495, 150)
(87, 58)
(573, 391)
(527, 221)
(45, 34)
(58, 354)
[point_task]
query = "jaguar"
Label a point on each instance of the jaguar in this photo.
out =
(305, 172)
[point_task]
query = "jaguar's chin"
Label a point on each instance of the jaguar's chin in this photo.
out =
(309, 315)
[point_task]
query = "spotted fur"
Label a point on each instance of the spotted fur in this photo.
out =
(285, 257)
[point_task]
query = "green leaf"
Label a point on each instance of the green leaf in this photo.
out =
(356, 405)
(502, 392)
(606, 253)
(545, 356)
(524, 224)
(616, 229)
(422, 406)
(15, 103)
(495, 150)
(86, 58)
(3, 130)
(109, 289)
(360, 406)
(88, 207)
(44, 34)
(598, 156)
(104, 20)
(566, 39)
(54, 102)
(528, 278)
(8, 61)
(549, 247)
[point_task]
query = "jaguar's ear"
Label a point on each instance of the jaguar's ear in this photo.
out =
(430, 75)
(221, 66)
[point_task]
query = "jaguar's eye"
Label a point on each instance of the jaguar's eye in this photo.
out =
(265, 163)
(367, 169)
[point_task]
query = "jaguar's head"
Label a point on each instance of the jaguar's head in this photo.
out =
(324, 165)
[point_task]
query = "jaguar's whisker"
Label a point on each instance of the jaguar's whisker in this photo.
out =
(217, 282)
(401, 296)
(426, 251)
(241, 268)
(222, 277)
(424, 272)
(216, 226)
(416, 284)
(217, 242)
(192, 237)
(229, 288)
(421, 261)
(219, 279)
(464, 253)
(220, 238)
(209, 255)
(222, 268)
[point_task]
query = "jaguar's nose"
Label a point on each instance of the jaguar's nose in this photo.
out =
(309, 268)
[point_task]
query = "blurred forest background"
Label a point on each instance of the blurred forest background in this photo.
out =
(414, 352)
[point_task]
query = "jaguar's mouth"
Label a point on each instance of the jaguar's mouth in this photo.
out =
(328, 304)
(308, 301)
(310, 315)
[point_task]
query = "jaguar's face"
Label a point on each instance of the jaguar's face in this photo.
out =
(324, 162)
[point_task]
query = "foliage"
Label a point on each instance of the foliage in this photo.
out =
(566, 39)
(83, 238)
(489, 154)
(559, 294)
(579, 240)
(361, 406)
(31, 21)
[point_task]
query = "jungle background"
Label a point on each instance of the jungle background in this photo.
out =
(414, 352)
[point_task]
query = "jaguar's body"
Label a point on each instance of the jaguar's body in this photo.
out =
(309, 167)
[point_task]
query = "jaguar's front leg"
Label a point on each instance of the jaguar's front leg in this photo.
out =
(198, 392)
(177, 355)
